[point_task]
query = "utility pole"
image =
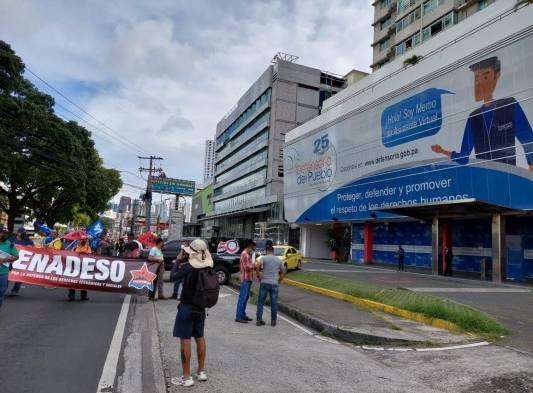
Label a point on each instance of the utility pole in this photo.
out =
(148, 195)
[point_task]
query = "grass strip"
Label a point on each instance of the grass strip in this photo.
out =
(465, 317)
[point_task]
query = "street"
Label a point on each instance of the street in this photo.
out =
(51, 345)
(73, 340)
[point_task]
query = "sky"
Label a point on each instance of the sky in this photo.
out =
(155, 77)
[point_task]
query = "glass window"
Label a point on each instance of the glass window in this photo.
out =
(384, 44)
(403, 5)
(242, 201)
(240, 169)
(408, 19)
(483, 4)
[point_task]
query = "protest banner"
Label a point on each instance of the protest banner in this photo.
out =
(49, 267)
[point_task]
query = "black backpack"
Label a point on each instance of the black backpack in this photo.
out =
(205, 294)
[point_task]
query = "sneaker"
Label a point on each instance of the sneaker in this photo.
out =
(84, 299)
(202, 376)
(241, 320)
(273, 323)
(247, 318)
(180, 381)
(174, 296)
(260, 323)
(12, 293)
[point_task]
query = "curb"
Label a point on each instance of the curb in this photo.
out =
(414, 316)
(333, 331)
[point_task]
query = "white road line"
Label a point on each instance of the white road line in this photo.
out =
(479, 344)
(110, 366)
(343, 271)
(470, 290)
(283, 318)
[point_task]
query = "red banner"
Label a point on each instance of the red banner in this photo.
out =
(49, 267)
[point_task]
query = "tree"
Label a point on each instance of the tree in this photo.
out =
(49, 167)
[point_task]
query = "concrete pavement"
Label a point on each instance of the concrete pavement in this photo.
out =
(289, 358)
(52, 346)
(512, 305)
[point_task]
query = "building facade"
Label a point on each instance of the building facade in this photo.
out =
(401, 25)
(248, 182)
(434, 156)
(209, 161)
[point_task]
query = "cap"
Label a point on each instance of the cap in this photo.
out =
(21, 230)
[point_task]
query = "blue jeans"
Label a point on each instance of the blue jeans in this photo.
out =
(3, 287)
(272, 290)
(177, 284)
(244, 294)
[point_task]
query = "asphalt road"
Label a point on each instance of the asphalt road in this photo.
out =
(287, 358)
(50, 345)
(511, 305)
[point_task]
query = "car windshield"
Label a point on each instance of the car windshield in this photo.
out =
(279, 251)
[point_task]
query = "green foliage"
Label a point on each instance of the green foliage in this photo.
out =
(412, 60)
(50, 167)
(467, 318)
(80, 219)
(332, 242)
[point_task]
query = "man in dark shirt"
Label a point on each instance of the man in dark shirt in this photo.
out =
(190, 320)
(491, 130)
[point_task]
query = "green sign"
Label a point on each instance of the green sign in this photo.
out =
(167, 185)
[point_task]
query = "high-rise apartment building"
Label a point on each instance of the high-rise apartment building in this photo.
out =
(209, 161)
(401, 25)
(248, 181)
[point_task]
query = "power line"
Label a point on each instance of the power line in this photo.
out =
(82, 109)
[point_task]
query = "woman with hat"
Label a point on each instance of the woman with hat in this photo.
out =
(190, 320)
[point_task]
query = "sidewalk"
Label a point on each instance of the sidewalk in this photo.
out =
(357, 325)
(509, 304)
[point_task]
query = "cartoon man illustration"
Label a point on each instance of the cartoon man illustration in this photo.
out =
(491, 129)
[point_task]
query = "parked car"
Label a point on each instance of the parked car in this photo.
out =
(224, 265)
(291, 257)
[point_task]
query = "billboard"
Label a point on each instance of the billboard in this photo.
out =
(167, 185)
(202, 202)
(463, 134)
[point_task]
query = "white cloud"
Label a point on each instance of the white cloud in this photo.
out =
(162, 74)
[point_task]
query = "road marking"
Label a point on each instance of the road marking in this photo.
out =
(344, 271)
(306, 331)
(109, 371)
(479, 344)
(471, 290)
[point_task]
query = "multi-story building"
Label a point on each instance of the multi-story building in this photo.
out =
(209, 161)
(400, 25)
(248, 182)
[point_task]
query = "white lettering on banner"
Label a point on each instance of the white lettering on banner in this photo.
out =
(102, 267)
(40, 260)
(117, 271)
(75, 269)
(56, 266)
(24, 257)
(72, 266)
(87, 267)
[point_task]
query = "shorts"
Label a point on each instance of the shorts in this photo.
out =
(189, 322)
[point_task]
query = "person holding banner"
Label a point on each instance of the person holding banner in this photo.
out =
(156, 255)
(83, 248)
(8, 254)
(22, 239)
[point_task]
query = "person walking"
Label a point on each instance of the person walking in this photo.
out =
(23, 240)
(246, 271)
(401, 258)
(8, 254)
(156, 255)
(270, 273)
(448, 260)
(56, 242)
(120, 247)
(190, 319)
(83, 248)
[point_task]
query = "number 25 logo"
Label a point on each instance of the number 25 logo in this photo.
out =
(321, 145)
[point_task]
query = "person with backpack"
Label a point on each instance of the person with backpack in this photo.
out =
(200, 291)
(8, 254)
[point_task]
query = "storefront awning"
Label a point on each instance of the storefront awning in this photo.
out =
(451, 209)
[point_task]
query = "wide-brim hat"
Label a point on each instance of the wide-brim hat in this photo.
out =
(199, 255)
